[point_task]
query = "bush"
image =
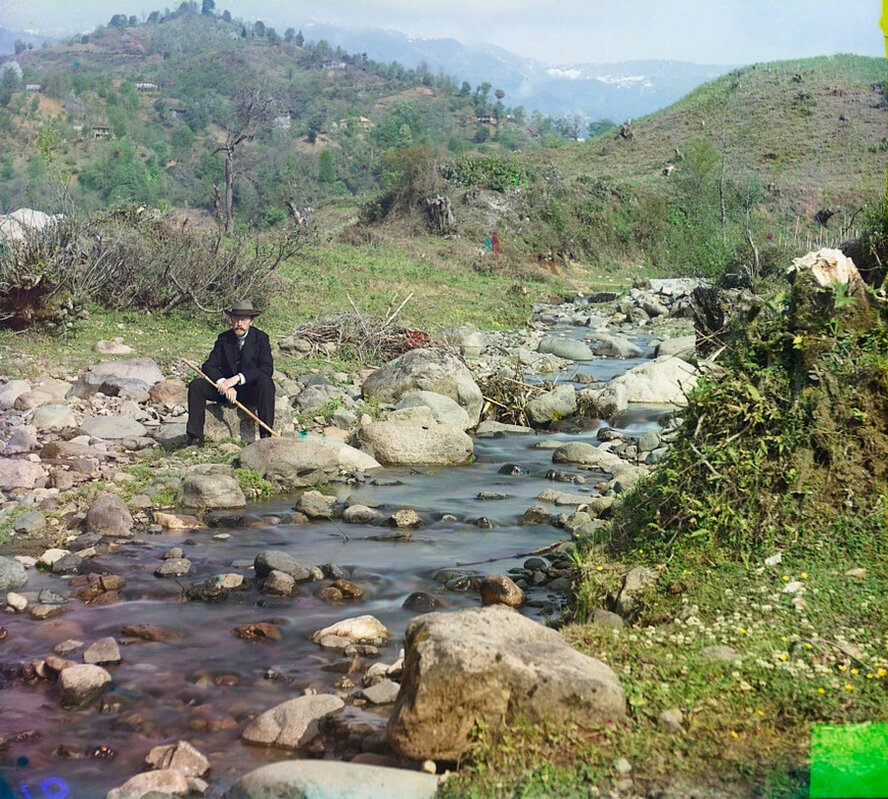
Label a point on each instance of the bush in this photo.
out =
(133, 259)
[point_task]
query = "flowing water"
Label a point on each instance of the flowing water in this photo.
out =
(205, 686)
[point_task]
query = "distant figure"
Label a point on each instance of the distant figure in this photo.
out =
(494, 243)
(488, 243)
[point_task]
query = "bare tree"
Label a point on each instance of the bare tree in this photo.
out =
(250, 108)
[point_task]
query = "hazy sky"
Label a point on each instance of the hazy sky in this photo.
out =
(553, 31)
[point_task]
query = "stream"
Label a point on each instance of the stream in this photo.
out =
(207, 685)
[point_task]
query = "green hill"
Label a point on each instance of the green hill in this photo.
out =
(741, 174)
(136, 113)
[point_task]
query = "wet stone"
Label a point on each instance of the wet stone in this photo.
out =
(535, 514)
(41, 612)
(279, 583)
(257, 631)
(421, 602)
(512, 469)
(406, 517)
(333, 572)
(491, 496)
(49, 597)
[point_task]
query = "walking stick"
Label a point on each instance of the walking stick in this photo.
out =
(243, 407)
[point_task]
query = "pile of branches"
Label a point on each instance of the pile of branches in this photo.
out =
(132, 258)
(506, 398)
(368, 339)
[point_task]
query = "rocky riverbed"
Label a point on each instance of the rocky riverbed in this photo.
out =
(179, 649)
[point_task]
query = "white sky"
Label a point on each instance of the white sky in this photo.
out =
(552, 31)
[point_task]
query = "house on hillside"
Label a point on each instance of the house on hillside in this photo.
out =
(101, 131)
(175, 109)
(282, 122)
(33, 87)
(147, 87)
(331, 63)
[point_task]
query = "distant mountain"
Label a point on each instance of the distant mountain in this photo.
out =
(8, 39)
(614, 90)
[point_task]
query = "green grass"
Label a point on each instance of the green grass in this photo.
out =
(747, 723)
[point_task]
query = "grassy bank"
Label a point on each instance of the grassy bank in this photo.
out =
(431, 277)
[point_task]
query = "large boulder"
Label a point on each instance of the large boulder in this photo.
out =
(611, 346)
(662, 381)
(550, 406)
(403, 442)
(10, 392)
(211, 486)
(444, 409)
(109, 516)
(112, 428)
(292, 724)
(22, 223)
(331, 778)
(15, 473)
(568, 348)
(53, 417)
(164, 782)
(426, 370)
(12, 574)
(130, 378)
(682, 346)
(82, 683)
(304, 461)
(585, 454)
(494, 665)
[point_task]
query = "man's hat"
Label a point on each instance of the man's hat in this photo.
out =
(242, 308)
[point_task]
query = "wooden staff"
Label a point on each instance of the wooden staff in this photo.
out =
(243, 407)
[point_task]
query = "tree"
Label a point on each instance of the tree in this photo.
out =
(272, 35)
(133, 20)
(249, 109)
(326, 173)
(482, 94)
(226, 15)
(19, 46)
(9, 84)
(154, 16)
(259, 28)
(118, 21)
(207, 7)
(288, 35)
(571, 124)
(299, 40)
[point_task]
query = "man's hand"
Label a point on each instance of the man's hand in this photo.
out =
(226, 388)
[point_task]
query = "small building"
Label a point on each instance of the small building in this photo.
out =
(331, 63)
(101, 131)
(282, 122)
(175, 109)
(147, 87)
(33, 87)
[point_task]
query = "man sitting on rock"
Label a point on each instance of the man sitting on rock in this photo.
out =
(241, 367)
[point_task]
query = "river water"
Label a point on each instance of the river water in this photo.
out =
(206, 686)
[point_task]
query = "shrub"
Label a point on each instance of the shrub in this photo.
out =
(132, 259)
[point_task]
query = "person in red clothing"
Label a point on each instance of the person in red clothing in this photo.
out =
(241, 366)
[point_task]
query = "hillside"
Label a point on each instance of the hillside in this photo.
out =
(738, 176)
(794, 152)
(137, 111)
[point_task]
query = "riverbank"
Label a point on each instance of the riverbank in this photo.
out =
(699, 656)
